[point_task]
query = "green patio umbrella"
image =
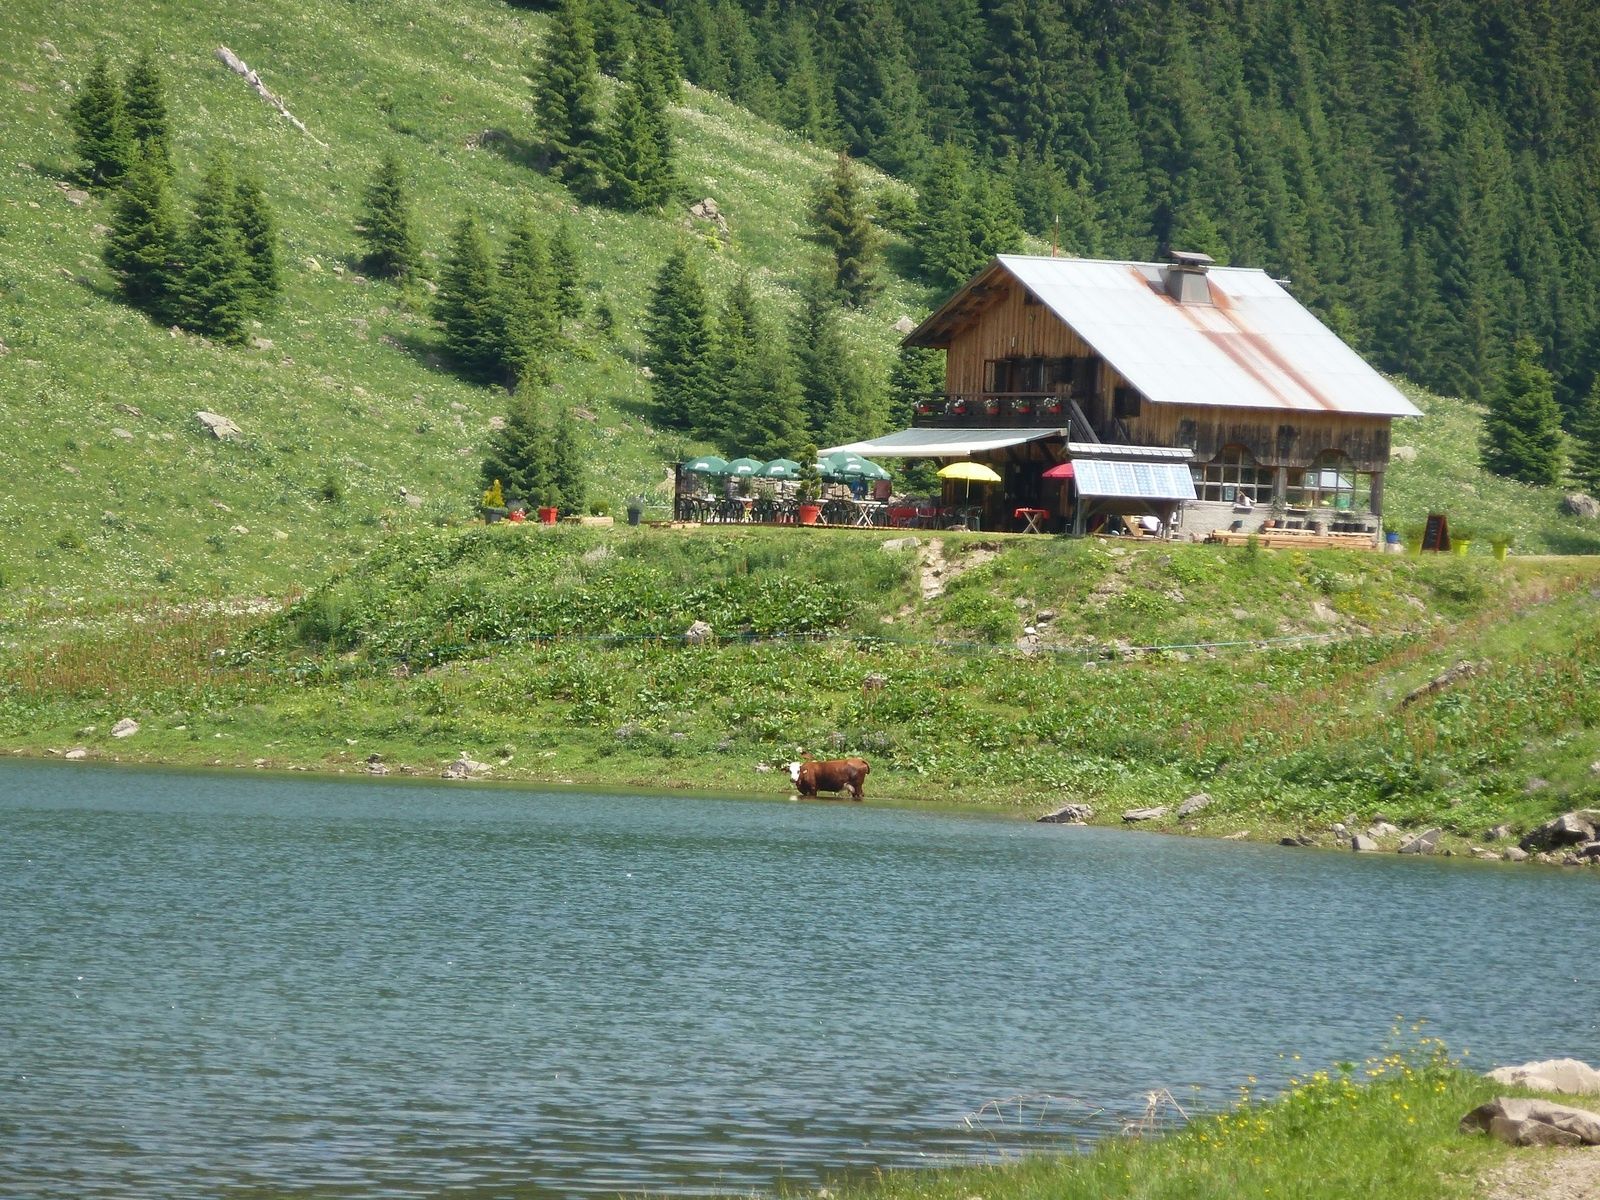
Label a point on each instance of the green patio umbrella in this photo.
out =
(844, 465)
(780, 468)
(707, 464)
(745, 466)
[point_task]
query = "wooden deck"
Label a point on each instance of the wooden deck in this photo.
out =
(1292, 539)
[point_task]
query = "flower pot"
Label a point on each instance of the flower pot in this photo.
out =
(1392, 538)
(809, 513)
(547, 515)
(1459, 546)
(491, 515)
(633, 516)
(1500, 549)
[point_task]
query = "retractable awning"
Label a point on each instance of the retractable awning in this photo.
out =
(944, 443)
(1133, 480)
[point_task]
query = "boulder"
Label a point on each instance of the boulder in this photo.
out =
(1577, 504)
(1194, 804)
(697, 634)
(1569, 829)
(1381, 829)
(707, 210)
(1519, 1122)
(1068, 814)
(1499, 833)
(1589, 850)
(1296, 839)
(220, 427)
(76, 752)
(1446, 678)
(1362, 844)
(1426, 842)
(899, 543)
(1515, 854)
(464, 767)
(126, 727)
(1568, 1076)
(1134, 815)
(904, 326)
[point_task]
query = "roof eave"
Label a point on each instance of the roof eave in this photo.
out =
(926, 335)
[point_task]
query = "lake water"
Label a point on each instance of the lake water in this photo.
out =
(267, 986)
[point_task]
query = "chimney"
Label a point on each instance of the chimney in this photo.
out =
(1186, 276)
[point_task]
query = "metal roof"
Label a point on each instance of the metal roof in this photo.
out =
(1133, 480)
(1119, 450)
(944, 443)
(1253, 346)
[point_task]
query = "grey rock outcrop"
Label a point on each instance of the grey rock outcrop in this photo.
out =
(1426, 842)
(76, 752)
(1194, 804)
(1569, 829)
(1520, 1122)
(697, 634)
(1362, 844)
(126, 727)
(1515, 854)
(1446, 678)
(1068, 814)
(465, 767)
(1568, 1076)
(1135, 815)
(220, 427)
(1577, 504)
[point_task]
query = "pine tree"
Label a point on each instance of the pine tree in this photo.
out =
(466, 306)
(614, 25)
(756, 402)
(567, 271)
(258, 233)
(875, 88)
(841, 225)
(917, 373)
(520, 454)
(837, 402)
(218, 288)
(386, 229)
(567, 97)
(1522, 433)
(146, 107)
(678, 344)
(528, 323)
(944, 234)
(566, 465)
(142, 249)
(637, 167)
(1586, 442)
(100, 120)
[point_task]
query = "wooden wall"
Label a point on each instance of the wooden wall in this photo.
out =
(1008, 328)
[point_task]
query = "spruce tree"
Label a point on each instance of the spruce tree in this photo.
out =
(567, 98)
(1586, 441)
(467, 304)
(841, 225)
(567, 270)
(1522, 433)
(917, 373)
(678, 344)
(520, 454)
(219, 291)
(875, 88)
(528, 322)
(637, 161)
(386, 229)
(755, 400)
(837, 403)
(146, 107)
(566, 465)
(100, 120)
(258, 233)
(142, 249)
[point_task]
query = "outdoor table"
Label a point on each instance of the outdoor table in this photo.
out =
(869, 512)
(1032, 516)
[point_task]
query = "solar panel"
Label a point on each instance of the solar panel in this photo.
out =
(1134, 480)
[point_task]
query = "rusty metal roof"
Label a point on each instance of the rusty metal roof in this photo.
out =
(1253, 346)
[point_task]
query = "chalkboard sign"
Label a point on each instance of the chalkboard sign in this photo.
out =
(1437, 534)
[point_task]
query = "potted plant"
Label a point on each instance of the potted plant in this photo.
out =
(494, 503)
(1461, 539)
(635, 509)
(1501, 541)
(1052, 406)
(991, 406)
(1391, 531)
(1275, 513)
(809, 488)
(958, 407)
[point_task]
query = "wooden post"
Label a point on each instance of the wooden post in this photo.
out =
(1377, 493)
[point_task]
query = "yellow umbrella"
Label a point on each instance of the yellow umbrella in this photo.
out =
(969, 471)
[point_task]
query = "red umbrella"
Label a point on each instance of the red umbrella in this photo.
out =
(1059, 471)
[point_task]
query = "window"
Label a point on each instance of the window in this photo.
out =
(1331, 481)
(1125, 402)
(1231, 474)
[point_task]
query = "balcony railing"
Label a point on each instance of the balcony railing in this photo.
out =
(981, 410)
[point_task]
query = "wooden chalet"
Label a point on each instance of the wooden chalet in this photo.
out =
(1202, 395)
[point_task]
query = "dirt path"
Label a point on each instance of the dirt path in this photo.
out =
(1545, 1175)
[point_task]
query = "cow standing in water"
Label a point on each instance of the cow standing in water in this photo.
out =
(830, 775)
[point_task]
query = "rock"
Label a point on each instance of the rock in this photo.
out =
(1068, 814)
(1236, 837)
(900, 543)
(464, 768)
(904, 325)
(1515, 854)
(1519, 1122)
(1134, 815)
(1296, 839)
(1486, 855)
(239, 530)
(763, 768)
(220, 427)
(1426, 842)
(76, 197)
(1194, 804)
(1381, 829)
(130, 410)
(1362, 844)
(126, 727)
(707, 210)
(76, 752)
(261, 343)
(1462, 670)
(1589, 850)
(1535, 785)
(1404, 454)
(1044, 616)
(125, 434)
(377, 768)
(1498, 834)
(1577, 504)
(1568, 1076)
(697, 634)
(874, 682)
(1569, 829)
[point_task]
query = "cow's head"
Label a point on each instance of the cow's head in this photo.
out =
(794, 773)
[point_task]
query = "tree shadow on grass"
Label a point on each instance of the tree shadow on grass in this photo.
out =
(519, 151)
(1572, 541)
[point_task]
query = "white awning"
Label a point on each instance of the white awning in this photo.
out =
(943, 443)
(1133, 480)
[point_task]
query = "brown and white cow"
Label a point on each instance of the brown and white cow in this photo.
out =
(830, 775)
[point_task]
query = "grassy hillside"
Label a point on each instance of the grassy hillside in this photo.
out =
(343, 380)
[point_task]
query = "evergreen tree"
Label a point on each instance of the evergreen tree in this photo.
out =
(100, 120)
(386, 229)
(219, 291)
(678, 345)
(996, 220)
(467, 304)
(566, 465)
(614, 27)
(841, 225)
(917, 373)
(258, 234)
(142, 249)
(805, 102)
(1522, 433)
(567, 271)
(638, 142)
(567, 97)
(146, 107)
(756, 402)
(528, 324)
(944, 234)
(837, 402)
(875, 88)
(1586, 442)
(521, 453)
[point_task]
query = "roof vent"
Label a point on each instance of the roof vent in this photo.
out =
(1186, 277)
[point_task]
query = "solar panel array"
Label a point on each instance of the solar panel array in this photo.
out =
(1134, 480)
